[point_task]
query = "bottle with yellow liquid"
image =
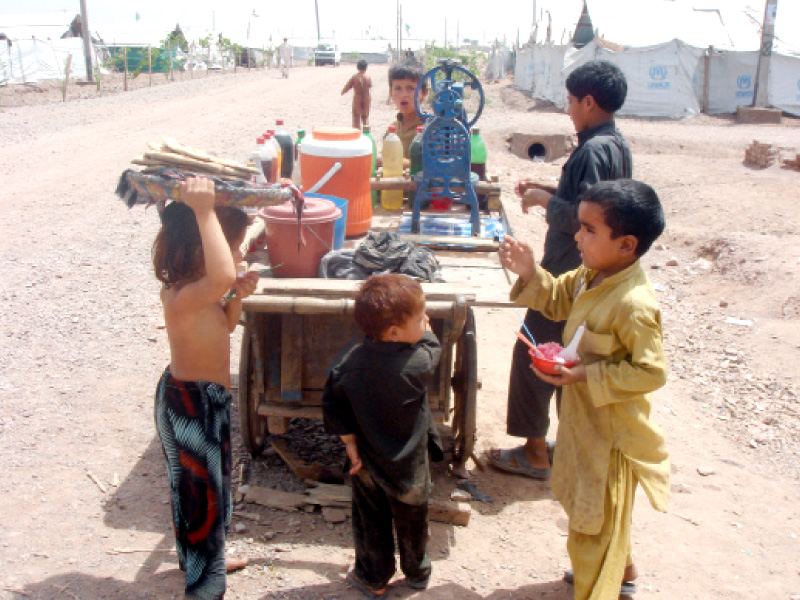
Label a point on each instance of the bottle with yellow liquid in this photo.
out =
(392, 155)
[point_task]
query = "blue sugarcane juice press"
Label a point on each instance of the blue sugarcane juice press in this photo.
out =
(446, 152)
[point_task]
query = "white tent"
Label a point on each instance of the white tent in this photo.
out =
(665, 63)
(34, 50)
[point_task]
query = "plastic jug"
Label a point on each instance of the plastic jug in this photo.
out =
(284, 139)
(392, 154)
(257, 156)
(320, 153)
(368, 133)
(415, 152)
(270, 134)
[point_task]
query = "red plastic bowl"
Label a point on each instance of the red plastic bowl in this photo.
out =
(547, 365)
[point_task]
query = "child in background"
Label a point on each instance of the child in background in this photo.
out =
(606, 441)
(194, 256)
(376, 400)
(360, 83)
(403, 80)
(596, 90)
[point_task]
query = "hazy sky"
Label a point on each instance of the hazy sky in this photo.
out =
(474, 19)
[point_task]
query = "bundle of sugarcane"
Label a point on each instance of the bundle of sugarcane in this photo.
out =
(172, 153)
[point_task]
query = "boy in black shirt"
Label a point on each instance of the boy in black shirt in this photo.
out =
(596, 90)
(377, 402)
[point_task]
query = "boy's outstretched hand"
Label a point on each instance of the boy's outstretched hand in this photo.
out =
(198, 194)
(532, 193)
(574, 375)
(517, 257)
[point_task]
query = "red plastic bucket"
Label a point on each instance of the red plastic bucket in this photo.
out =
(281, 232)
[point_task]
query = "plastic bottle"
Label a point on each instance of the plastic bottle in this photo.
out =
(268, 158)
(276, 165)
(368, 133)
(257, 156)
(478, 164)
(392, 155)
(301, 133)
(415, 152)
(296, 175)
(287, 148)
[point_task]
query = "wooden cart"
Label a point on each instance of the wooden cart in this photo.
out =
(295, 330)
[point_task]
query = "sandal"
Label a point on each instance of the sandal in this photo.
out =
(362, 587)
(516, 461)
(628, 588)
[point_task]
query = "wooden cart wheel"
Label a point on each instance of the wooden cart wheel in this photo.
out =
(465, 392)
(252, 425)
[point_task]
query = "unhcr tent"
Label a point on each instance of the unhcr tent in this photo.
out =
(661, 79)
(678, 59)
(34, 50)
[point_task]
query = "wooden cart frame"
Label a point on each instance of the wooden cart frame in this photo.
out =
(296, 330)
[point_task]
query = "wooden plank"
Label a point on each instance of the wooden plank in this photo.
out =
(292, 358)
(453, 242)
(328, 494)
(446, 511)
(345, 288)
(273, 498)
(401, 183)
(299, 467)
(303, 305)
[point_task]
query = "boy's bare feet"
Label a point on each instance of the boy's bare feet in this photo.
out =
(631, 573)
(234, 563)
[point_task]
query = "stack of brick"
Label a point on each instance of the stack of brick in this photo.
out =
(788, 163)
(760, 155)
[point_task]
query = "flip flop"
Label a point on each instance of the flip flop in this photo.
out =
(418, 585)
(523, 467)
(628, 588)
(362, 587)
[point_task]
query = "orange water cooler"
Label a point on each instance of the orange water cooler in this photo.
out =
(320, 152)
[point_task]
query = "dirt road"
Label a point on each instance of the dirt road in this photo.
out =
(83, 500)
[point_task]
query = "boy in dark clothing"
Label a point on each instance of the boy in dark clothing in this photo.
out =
(596, 90)
(376, 400)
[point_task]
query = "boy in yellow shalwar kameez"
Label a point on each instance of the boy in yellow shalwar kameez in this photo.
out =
(606, 441)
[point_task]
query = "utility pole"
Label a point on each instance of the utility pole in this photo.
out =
(87, 41)
(316, 11)
(397, 34)
(761, 90)
(400, 31)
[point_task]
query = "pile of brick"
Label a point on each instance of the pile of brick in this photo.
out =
(789, 163)
(760, 155)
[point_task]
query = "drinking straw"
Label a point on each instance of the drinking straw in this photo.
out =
(525, 327)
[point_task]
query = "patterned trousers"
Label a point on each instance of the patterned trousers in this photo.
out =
(193, 422)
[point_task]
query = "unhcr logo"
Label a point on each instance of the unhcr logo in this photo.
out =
(745, 84)
(658, 76)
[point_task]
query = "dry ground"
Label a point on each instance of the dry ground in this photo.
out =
(82, 347)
